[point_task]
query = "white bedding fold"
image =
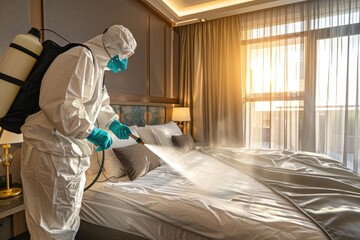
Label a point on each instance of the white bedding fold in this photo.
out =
(165, 205)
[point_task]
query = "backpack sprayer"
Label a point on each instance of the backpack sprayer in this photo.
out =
(23, 53)
(20, 85)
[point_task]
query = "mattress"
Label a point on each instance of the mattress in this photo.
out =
(205, 194)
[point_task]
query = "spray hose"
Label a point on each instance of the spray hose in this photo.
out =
(137, 139)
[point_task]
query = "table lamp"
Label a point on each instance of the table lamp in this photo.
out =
(180, 115)
(6, 138)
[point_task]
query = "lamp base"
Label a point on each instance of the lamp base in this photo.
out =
(181, 126)
(8, 193)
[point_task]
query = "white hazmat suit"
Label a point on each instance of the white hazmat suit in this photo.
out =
(55, 152)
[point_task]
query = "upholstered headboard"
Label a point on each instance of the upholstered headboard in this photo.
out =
(142, 110)
(141, 115)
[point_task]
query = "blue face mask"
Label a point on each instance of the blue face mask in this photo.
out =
(116, 65)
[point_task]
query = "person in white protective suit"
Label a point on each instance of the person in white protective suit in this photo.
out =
(57, 140)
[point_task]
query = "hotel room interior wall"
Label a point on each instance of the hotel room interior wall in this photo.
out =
(79, 20)
(14, 20)
(163, 79)
(172, 63)
(157, 57)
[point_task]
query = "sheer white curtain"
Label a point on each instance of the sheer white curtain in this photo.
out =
(297, 74)
(336, 40)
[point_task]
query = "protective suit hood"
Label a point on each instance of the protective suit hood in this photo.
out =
(116, 40)
(98, 51)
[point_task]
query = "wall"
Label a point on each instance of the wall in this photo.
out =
(14, 19)
(150, 70)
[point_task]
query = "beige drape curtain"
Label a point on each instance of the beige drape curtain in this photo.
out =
(284, 78)
(210, 72)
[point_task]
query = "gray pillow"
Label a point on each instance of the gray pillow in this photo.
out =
(184, 142)
(137, 160)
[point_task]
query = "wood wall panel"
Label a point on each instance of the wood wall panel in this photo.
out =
(157, 57)
(148, 69)
(84, 19)
(147, 76)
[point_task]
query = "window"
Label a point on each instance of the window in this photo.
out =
(337, 98)
(275, 88)
(302, 68)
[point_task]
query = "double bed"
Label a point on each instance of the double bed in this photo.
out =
(170, 189)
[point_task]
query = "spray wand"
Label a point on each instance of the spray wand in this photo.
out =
(137, 139)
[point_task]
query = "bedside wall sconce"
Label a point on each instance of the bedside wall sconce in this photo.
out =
(6, 138)
(180, 115)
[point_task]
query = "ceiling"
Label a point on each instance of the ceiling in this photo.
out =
(182, 12)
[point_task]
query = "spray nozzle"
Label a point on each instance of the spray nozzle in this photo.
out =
(137, 139)
(35, 32)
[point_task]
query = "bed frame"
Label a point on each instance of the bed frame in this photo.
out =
(88, 231)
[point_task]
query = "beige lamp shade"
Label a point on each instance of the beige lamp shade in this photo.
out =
(181, 114)
(7, 137)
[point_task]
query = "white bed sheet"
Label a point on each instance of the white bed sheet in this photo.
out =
(165, 205)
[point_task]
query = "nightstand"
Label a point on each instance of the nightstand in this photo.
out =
(12, 217)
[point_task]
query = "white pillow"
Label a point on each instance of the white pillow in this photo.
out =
(112, 166)
(146, 134)
(164, 132)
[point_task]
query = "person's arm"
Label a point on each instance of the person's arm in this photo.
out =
(107, 114)
(110, 120)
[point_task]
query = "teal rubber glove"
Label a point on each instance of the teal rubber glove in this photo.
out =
(100, 138)
(120, 130)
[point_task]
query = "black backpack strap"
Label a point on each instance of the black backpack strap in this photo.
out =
(71, 45)
(83, 45)
(23, 84)
(27, 85)
(24, 50)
